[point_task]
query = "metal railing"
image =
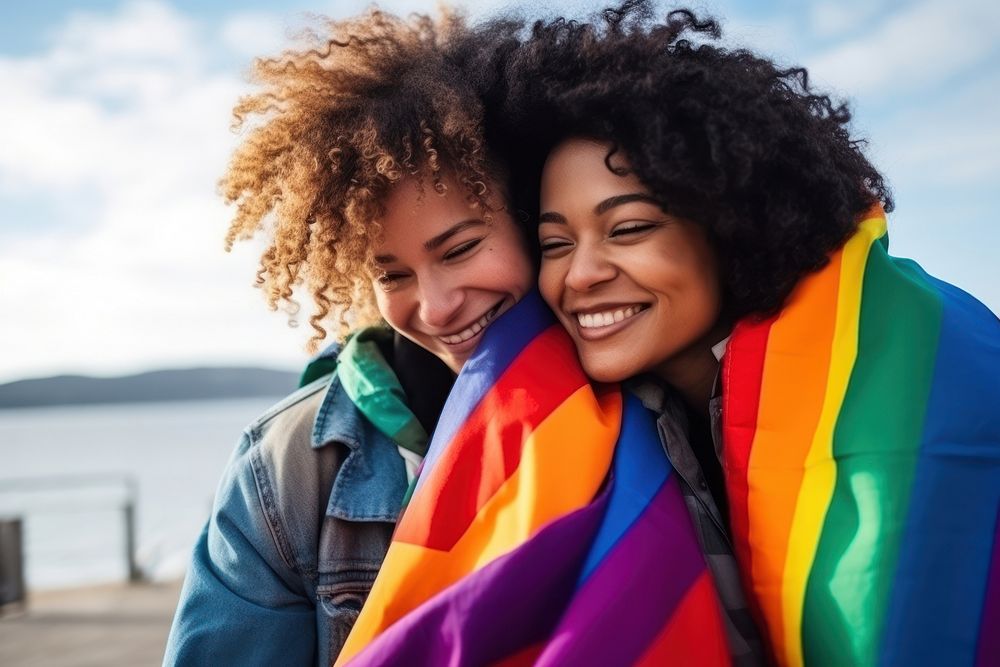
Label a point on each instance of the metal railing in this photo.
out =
(38, 488)
(12, 588)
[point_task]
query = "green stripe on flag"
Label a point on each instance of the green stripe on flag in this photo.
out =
(876, 440)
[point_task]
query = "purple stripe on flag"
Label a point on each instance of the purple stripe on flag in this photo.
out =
(988, 652)
(508, 605)
(632, 595)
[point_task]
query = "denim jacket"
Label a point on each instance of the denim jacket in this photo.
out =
(301, 522)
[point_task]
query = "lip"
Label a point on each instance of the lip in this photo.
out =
(469, 343)
(599, 333)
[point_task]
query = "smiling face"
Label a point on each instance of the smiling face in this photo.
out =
(637, 289)
(442, 273)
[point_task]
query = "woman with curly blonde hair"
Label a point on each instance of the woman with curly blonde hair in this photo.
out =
(364, 165)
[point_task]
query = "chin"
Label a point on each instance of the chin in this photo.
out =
(605, 370)
(455, 365)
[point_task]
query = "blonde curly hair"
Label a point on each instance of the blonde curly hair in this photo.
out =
(337, 120)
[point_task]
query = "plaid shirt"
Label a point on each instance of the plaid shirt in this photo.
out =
(713, 533)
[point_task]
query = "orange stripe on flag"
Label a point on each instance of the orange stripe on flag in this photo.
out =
(792, 393)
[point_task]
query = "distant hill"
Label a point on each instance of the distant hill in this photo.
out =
(165, 385)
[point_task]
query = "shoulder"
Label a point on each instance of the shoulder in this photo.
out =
(289, 474)
(284, 445)
(287, 426)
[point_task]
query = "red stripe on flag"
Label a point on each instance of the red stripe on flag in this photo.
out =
(523, 658)
(742, 373)
(484, 453)
(694, 635)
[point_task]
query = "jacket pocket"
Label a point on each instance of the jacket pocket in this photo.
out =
(339, 606)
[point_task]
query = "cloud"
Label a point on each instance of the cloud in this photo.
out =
(830, 19)
(128, 109)
(142, 30)
(252, 34)
(47, 137)
(777, 37)
(916, 47)
(120, 129)
(950, 141)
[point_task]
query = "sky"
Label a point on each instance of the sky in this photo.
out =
(114, 130)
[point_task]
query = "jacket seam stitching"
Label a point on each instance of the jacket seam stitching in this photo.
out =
(265, 496)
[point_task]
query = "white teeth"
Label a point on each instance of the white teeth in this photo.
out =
(476, 327)
(607, 318)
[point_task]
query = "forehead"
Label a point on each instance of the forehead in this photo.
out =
(415, 211)
(412, 196)
(578, 168)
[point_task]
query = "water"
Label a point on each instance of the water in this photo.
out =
(174, 451)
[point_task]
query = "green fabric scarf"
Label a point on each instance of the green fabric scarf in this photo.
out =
(375, 390)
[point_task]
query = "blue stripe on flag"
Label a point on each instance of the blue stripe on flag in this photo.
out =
(933, 617)
(639, 470)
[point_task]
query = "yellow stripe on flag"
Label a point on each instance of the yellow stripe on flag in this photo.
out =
(821, 474)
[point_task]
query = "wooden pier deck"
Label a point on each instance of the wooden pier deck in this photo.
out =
(112, 626)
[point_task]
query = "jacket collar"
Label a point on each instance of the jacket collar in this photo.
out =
(371, 481)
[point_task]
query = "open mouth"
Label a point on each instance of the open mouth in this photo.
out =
(474, 329)
(607, 318)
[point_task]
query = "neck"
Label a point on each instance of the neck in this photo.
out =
(692, 371)
(692, 375)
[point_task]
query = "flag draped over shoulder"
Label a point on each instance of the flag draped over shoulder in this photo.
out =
(546, 526)
(862, 461)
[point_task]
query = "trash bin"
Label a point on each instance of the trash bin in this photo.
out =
(12, 589)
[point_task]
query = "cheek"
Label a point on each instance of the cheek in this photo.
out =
(509, 266)
(704, 279)
(685, 272)
(550, 283)
(713, 296)
(528, 275)
(388, 307)
(696, 295)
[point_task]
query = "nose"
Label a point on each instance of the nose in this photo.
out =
(440, 301)
(588, 268)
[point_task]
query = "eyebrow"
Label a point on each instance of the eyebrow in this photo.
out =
(442, 238)
(621, 200)
(437, 241)
(552, 216)
(601, 208)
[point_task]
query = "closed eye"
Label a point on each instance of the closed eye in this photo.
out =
(632, 228)
(462, 248)
(553, 245)
(388, 281)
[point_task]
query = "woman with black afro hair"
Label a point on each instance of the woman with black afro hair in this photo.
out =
(713, 235)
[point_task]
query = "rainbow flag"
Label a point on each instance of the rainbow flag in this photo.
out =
(546, 527)
(862, 461)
